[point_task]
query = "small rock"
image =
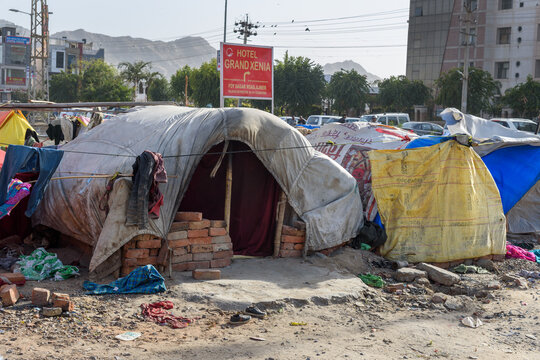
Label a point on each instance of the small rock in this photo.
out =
(409, 274)
(439, 275)
(531, 336)
(423, 282)
(392, 288)
(53, 311)
(439, 298)
(486, 264)
(493, 285)
(452, 303)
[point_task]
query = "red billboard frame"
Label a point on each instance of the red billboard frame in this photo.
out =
(247, 72)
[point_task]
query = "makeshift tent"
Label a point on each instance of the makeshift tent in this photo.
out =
(437, 203)
(13, 127)
(511, 157)
(320, 191)
(348, 144)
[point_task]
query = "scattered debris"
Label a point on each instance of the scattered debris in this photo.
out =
(439, 275)
(128, 336)
(52, 311)
(409, 274)
(471, 322)
(294, 323)
(257, 338)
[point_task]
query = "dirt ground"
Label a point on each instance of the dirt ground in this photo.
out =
(375, 325)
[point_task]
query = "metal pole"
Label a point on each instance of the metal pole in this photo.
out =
(465, 83)
(225, 24)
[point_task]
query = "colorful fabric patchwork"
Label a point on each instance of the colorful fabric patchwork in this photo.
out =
(17, 190)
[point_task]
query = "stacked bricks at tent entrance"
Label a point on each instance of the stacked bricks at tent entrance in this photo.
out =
(195, 243)
(292, 240)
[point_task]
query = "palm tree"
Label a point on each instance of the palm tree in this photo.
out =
(133, 73)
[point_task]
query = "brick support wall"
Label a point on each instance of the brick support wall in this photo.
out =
(195, 243)
(292, 241)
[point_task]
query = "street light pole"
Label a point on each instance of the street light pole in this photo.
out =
(225, 24)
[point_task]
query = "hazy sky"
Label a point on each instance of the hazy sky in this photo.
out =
(372, 33)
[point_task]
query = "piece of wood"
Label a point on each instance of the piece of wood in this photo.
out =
(279, 223)
(228, 192)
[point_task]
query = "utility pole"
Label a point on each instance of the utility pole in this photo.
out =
(246, 29)
(467, 34)
(225, 24)
(39, 33)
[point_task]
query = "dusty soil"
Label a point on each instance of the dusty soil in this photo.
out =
(378, 325)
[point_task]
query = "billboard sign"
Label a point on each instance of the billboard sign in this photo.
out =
(17, 40)
(247, 71)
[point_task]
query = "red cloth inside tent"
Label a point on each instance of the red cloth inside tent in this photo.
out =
(2, 156)
(255, 194)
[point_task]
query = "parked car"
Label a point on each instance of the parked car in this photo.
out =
(319, 120)
(517, 124)
(423, 128)
(392, 119)
(289, 120)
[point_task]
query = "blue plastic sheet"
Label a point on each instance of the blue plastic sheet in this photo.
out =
(143, 280)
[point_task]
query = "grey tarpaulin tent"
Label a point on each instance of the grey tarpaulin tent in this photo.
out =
(319, 190)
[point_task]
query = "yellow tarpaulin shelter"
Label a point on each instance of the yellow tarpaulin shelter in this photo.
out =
(437, 203)
(13, 126)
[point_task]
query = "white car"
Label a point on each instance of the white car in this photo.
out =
(517, 124)
(320, 120)
(392, 119)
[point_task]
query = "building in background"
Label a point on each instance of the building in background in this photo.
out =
(503, 38)
(69, 55)
(15, 52)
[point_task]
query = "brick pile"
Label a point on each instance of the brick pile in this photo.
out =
(199, 243)
(293, 239)
(196, 243)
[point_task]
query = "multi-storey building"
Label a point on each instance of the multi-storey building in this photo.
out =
(69, 55)
(502, 37)
(15, 54)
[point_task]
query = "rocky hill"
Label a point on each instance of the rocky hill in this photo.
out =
(329, 69)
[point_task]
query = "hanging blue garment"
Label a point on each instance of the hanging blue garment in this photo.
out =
(20, 159)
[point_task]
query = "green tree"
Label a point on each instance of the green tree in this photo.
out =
(524, 98)
(101, 82)
(63, 87)
(159, 89)
(298, 84)
(397, 93)
(481, 91)
(349, 90)
(205, 84)
(178, 84)
(133, 73)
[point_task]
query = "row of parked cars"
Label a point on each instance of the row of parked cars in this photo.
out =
(402, 120)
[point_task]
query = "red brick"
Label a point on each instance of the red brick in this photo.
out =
(182, 258)
(177, 235)
(180, 251)
(206, 274)
(299, 225)
(293, 239)
(222, 247)
(180, 267)
(150, 260)
(149, 244)
(290, 253)
(288, 246)
(178, 243)
(15, 278)
(221, 239)
(137, 253)
(218, 263)
(198, 265)
(56, 296)
(198, 225)
(188, 216)
(200, 240)
(203, 256)
(218, 223)
(223, 254)
(143, 237)
(201, 248)
(130, 245)
(9, 294)
(289, 230)
(40, 297)
(129, 262)
(197, 233)
(66, 305)
(217, 232)
(126, 270)
(298, 246)
(177, 226)
(154, 252)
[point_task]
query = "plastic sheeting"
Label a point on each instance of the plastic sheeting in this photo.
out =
(437, 203)
(348, 144)
(330, 204)
(13, 126)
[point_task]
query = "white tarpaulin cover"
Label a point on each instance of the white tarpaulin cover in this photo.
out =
(320, 191)
(348, 144)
